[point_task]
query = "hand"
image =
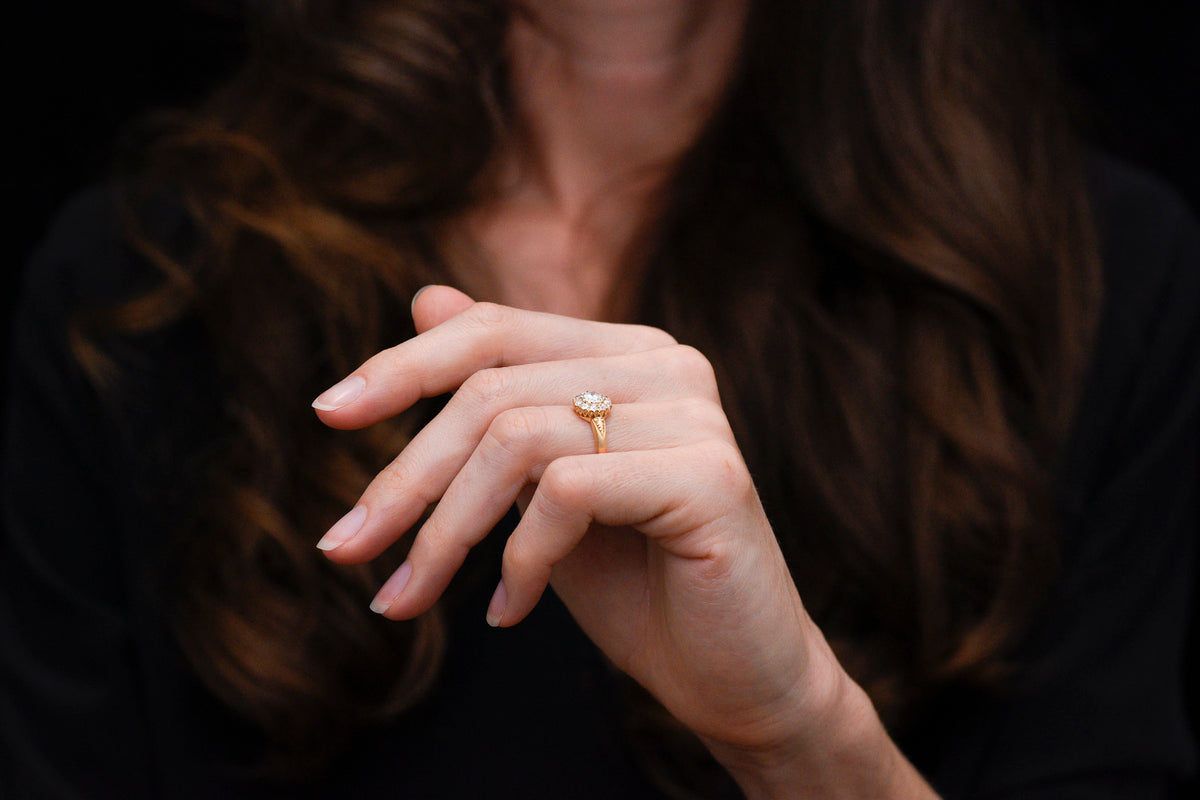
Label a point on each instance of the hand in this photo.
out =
(659, 548)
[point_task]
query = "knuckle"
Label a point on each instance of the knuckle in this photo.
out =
(517, 430)
(436, 543)
(487, 386)
(705, 418)
(396, 477)
(653, 338)
(520, 557)
(564, 485)
(490, 316)
(399, 479)
(702, 413)
(693, 366)
(725, 465)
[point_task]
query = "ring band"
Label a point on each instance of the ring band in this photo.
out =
(594, 407)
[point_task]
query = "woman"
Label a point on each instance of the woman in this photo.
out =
(868, 531)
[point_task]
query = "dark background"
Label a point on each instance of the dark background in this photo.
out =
(78, 75)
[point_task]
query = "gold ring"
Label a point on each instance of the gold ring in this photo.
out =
(594, 407)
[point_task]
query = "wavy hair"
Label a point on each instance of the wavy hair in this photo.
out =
(881, 241)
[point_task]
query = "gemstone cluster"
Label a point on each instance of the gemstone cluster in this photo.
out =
(591, 404)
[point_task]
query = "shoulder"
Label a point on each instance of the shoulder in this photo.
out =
(1149, 237)
(1143, 386)
(1105, 654)
(1124, 195)
(99, 252)
(86, 259)
(83, 270)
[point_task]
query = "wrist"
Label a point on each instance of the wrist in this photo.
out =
(838, 748)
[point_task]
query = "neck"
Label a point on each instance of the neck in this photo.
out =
(609, 94)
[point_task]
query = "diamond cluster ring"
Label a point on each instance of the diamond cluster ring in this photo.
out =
(594, 407)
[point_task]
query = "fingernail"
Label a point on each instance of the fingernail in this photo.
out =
(392, 588)
(418, 294)
(340, 394)
(344, 529)
(496, 607)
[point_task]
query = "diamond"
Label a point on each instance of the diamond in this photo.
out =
(592, 404)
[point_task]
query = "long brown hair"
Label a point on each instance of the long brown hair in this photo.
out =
(881, 242)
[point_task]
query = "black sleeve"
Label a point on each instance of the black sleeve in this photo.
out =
(1098, 711)
(73, 720)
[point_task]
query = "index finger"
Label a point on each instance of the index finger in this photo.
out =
(485, 335)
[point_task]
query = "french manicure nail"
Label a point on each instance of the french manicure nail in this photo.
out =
(418, 294)
(344, 529)
(340, 394)
(496, 607)
(392, 588)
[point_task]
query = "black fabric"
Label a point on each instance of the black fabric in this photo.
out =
(96, 700)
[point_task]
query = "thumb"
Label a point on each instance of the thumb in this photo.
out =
(433, 305)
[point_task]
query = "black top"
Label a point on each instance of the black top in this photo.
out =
(96, 700)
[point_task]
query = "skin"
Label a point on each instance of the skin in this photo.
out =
(660, 547)
(609, 94)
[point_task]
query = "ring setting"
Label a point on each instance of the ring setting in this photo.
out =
(594, 407)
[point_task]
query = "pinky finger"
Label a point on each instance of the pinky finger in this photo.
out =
(642, 489)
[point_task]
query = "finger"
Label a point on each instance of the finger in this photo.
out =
(513, 454)
(522, 442)
(483, 335)
(420, 475)
(682, 509)
(433, 305)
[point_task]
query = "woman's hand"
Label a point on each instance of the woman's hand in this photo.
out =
(659, 547)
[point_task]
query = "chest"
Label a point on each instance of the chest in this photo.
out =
(536, 258)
